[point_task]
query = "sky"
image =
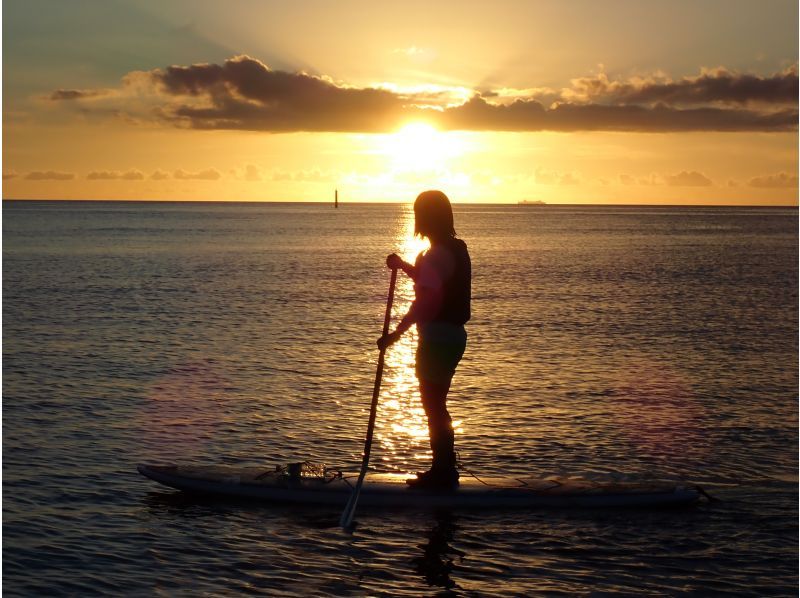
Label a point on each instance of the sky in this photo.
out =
(619, 101)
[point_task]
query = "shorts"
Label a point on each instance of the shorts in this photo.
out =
(441, 346)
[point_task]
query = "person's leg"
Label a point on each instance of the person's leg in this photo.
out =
(440, 425)
(436, 365)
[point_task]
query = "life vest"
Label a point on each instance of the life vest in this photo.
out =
(456, 288)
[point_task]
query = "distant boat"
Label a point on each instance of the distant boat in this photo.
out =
(336, 198)
(531, 202)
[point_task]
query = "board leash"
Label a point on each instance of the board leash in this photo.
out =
(460, 465)
(707, 495)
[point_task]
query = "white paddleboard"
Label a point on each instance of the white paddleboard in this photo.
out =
(390, 490)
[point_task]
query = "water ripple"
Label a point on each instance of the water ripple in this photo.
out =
(608, 343)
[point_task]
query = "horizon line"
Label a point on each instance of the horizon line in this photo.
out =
(390, 202)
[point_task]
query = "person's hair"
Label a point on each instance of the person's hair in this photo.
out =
(433, 216)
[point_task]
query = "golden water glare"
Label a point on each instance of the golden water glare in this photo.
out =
(403, 424)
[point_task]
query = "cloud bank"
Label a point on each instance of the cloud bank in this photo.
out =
(548, 177)
(49, 175)
(245, 94)
(77, 94)
(104, 175)
(780, 180)
(712, 87)
(688, 179)
(210, 174)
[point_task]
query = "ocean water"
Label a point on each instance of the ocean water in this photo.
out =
(607, 342)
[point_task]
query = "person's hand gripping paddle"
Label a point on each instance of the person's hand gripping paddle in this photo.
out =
(349, 511)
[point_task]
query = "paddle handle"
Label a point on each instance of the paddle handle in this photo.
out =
(347, 515)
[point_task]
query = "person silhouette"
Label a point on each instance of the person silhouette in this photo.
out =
(442, 278)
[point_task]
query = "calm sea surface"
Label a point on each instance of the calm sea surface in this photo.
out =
(610, 343)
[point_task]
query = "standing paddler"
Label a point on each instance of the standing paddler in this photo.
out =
(442, 278)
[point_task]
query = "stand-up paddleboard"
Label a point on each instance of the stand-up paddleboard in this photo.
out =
(390, 490)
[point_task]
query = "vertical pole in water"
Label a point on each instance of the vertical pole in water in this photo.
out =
(350, 509)
(336, 198)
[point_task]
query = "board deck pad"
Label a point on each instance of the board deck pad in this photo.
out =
(391, 490)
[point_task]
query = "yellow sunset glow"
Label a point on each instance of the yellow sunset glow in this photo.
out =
(419, 147)
(491, 107)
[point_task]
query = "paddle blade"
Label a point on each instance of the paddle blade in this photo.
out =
(346, 520)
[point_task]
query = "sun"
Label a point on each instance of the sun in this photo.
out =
(420, 147)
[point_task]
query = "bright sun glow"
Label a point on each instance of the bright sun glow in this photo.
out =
(419, 146)
(412, 245)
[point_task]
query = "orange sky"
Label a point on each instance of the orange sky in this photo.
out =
(613, 102)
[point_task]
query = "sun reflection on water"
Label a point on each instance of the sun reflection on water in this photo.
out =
(403, 430)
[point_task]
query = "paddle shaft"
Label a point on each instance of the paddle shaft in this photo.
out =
(350, 509)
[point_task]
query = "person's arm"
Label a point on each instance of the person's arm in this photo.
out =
(423, 309)
(430, 294)
(395, 262)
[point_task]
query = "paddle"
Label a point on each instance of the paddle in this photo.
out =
(350, 509)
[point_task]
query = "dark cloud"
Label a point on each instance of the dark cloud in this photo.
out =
(49, 175)
(688, 179)
(530, 115)
(718, 86)
(131, 175)
(159, 175)
(243, 93)
(781, 180)
(479, 114)
(76, 94)
(210, 174)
